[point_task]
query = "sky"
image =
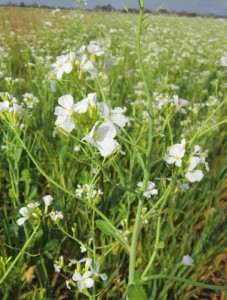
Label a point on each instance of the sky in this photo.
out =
(217, 7)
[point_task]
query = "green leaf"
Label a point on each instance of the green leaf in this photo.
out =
(173, 211)
(136, 292)
(105, 228)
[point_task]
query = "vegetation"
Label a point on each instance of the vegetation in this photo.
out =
(112, 168)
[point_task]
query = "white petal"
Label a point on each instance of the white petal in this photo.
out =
(65, 123)
(67, 67)
(169, 159)
(59, 73)
(23, 211)
(103, 276)
(81, 106)
(33, 205)
(194, 161)
(107, 146)
(106, 131)
(119, 119)
(89, 282)
(87, 274)
(21, 221)
(176, 150)
(60, 111)
(178, 162)
(48, 199)
(92, 98)
(140, 184)
(76, 276)
(194, 176)
(80, 285)
(66, 101)
(88, 66)
(188, 261)
(104, 110)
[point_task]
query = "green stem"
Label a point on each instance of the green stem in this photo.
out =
(132, 258)
(188, 281)
(121, 238)
(147, 269)
(198, 132)
(19, 255)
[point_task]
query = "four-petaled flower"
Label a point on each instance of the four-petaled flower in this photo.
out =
(96, 272)
(83, 281)
(176, 153)
(114, 116)
(62, 65)
(103, 138)
(150, 190)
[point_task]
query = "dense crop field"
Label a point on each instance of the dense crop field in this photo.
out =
(112, 162)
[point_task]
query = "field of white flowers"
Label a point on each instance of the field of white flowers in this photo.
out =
(112, 162)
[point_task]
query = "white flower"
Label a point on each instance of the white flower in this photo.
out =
(67, 106)
(176, 153)
(57, 268)
(83, 249)
(17, 110)
(94, 48)
(224, 61)
(86, 65)
(4, 106)
(202, 159)
(24, 212)
(103, 138)
(79, 191)
(115, 116)
(82, 106)
(83, 281)
(62, 65)
(183, 186)
(64, 113)
(87, 261)
(95, 272)
(180, 103)
(56, 215)
(33, 205)
(194, 176)
(188, 261)
(48, 199)
(150, 190)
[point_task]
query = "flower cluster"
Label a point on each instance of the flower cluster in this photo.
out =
(83, 274)
(100, 122)
(10, 105)
(88, 191)
(79, 62)
(175, 155)
(32, 213)
(29, 212)
(29, 100)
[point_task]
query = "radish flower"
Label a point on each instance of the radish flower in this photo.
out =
(64, 113)
(103, 138)
(176, 153)
(83, 281)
